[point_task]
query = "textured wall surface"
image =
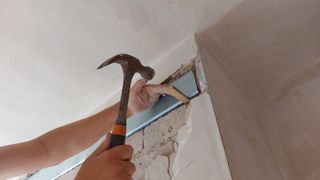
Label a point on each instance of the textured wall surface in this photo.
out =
(156, 147)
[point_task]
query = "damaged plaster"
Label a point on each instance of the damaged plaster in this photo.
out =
(183, 145)
(200, 153)
(156, 146)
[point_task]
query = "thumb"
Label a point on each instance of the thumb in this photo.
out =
(103, 146)
(139, 85)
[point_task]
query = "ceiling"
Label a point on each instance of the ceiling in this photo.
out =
(49, 51)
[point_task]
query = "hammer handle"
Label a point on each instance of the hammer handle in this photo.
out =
(117, 140)
(118, 135)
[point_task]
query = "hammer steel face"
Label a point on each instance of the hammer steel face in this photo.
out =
(130, 65)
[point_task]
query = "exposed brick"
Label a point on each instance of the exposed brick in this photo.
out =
(156, 145)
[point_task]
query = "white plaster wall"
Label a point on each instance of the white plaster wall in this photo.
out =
(49, 51)
(291, 114)
(271, 50)
(201, 153)
(247, 146)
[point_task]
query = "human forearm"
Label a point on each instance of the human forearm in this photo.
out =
(21, 158)
(56, 145)
(70, 139)
(61, 143)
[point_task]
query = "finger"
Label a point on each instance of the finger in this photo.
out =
(103, 146)
(151, 97)
(123, 152)
(139, 85)
(128, 167)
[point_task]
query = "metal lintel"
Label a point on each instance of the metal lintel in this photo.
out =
(186, 84)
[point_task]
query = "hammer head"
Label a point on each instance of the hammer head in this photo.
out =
(130, 64)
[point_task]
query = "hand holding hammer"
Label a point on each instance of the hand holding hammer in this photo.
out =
(130, 65)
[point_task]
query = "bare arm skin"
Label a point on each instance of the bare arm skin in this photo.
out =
(61, 143)
(56, 145)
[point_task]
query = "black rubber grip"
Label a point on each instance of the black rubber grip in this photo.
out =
(117, 140)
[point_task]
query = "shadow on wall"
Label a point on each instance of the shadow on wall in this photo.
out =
(262, 65)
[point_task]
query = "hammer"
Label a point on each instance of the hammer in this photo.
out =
(130, 65)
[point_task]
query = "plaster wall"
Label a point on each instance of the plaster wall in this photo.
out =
(201, 154)
(271, 50)
(291, 114)
(248, 149)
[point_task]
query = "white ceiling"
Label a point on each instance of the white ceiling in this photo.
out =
(49, 51)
